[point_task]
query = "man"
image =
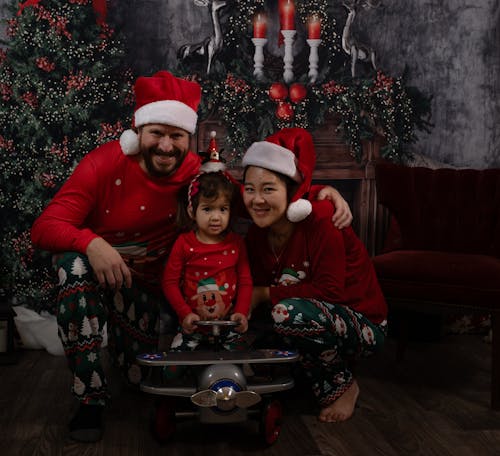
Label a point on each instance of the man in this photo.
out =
(112, 225)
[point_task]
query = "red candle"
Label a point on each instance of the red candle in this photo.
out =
(314, 27)
(259, 26)
(287, 15)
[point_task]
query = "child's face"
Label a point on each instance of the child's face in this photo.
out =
(212, 217)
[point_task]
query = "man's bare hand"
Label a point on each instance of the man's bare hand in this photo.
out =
(188, 325)
(343, 216)
(108, 265)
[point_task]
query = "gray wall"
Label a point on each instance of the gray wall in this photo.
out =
(452, 49)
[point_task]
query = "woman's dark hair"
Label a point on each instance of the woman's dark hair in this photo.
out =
(291, 185)
(210, 186)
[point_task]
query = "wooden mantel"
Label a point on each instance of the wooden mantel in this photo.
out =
(335, 165)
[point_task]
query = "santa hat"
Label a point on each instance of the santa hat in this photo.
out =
(163, 99)
(213, 162)
(290, 151)
(208, 284)
(290, 275)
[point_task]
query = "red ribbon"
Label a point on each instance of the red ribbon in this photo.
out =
(101, 11)
(26, 4)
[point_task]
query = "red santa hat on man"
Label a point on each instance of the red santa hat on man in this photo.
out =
(163, 99)
(290, 151)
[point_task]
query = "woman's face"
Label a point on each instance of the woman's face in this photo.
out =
(265, 196)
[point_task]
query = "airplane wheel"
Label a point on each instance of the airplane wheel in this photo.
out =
(163, 421)
(271, 420)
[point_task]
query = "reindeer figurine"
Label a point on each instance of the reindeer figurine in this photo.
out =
(357, 50)
(211, 45)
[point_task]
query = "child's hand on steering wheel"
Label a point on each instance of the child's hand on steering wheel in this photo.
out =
(188, 325)
(242, 320)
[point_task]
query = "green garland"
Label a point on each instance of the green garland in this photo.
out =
(377, 105)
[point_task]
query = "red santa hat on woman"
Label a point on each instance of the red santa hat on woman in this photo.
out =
(162, 99)
(290, 152)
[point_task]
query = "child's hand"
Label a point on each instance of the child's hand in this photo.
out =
(188, 325)
(243, 322)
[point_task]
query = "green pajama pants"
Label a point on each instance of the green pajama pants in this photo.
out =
(132, 317)
(327, 336)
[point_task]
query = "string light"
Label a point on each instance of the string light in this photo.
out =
(46, 130)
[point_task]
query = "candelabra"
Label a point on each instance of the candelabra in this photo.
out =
(258, 57)
(288, 36)
(313, 59)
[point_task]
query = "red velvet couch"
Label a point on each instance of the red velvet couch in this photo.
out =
(445, 254)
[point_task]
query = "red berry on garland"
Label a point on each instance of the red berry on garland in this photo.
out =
(297, 92)
(278, 91)
(284, 111)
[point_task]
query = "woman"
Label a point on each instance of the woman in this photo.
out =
(324, 296)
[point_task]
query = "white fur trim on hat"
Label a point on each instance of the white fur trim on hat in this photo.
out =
(129, 142)
(212, 166)
(168, 112)
(274, 157)
(298, 210)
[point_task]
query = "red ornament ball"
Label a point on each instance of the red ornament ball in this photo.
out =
(278, 91)
(297, 92)
(284, 111)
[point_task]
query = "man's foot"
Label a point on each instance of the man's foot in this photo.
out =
(86, 425)
(343, 408)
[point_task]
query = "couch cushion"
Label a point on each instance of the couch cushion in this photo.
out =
(455, 278)
(444, 209)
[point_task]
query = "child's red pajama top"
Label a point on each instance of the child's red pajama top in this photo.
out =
(192, 262)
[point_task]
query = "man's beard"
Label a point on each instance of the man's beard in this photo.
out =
(153, 170)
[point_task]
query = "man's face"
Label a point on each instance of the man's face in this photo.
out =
(162, 148)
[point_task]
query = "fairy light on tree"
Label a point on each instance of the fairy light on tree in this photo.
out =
(64, 91)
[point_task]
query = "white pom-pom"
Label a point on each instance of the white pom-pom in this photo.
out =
(129, 142)
(298, 210)
(213, 134)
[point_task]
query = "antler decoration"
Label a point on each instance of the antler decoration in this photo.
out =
(212, 44)
(354, 48)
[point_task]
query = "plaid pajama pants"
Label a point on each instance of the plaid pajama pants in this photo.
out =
(132, 317)
(327, 336)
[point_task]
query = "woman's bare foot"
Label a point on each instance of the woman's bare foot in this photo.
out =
(343, 408)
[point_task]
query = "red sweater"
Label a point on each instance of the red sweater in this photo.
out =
(319, 262)
(207, 279)
(110, 196)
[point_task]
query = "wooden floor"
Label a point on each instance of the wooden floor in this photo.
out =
(436, 402)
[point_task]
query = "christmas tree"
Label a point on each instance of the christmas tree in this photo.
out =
(64, 91)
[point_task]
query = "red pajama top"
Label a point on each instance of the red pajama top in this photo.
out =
(319, 262)
(110, 196)
(211, 280)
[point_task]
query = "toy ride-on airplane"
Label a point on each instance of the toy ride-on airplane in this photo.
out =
(224, 387)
